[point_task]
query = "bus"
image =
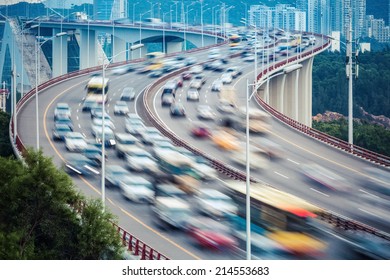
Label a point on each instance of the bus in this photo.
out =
(234, 40)
(95, 88)
(153, 61)
(289, 42)
(286, 219)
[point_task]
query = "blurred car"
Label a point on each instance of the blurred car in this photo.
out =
(167, 99)
(214, 53)
(156, 73)
(258, 161)
(114, 174)
(109, 137)
(192, 94)
(135, 128)
(98, 120)
(128, 94)
(186, 75)
(201, 78)
(205, 112)
(272, 149)
(141, 161)
(62, 109)
(136, 188)
(88, 104)
(122, 70)
(97, 110)
(196, 69)
(216, 85)
(60, 130)
(121, 108)
(249, 58)
(325, 177)
(196, 84)
(94, 154)
(149, 135)
(190, 60)
(211, 234)
(226, 107)
(214, 203)
(225, 140)
(217, 66)
(178, 81)
(177, 110)
(169, 190)
(125, 143)
(171, 212)
(234, 71)
(75, 142)
(96, 129)
(200, 130)
(63, 119)
(79, 164)
(226, 78)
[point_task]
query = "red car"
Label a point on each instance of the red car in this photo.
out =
(200, 130)
(212, 234)
(186, 75)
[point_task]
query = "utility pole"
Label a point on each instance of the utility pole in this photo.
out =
(352, 69)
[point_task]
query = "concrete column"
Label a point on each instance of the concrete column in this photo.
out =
(88, 49)
(296, 99)
(172, 47)
(119, 50)
(280, 101)
(60, 54)
(288, 94)
(274, 90)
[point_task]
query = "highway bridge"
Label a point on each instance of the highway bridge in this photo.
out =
(300, 148)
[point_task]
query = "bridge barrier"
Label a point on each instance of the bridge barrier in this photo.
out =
(323, 137)
(334, 219)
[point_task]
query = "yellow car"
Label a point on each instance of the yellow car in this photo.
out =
(226, 141)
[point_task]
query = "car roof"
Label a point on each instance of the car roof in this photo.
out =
(135, 179)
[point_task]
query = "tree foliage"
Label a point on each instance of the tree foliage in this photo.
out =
(371, 90)
(40, 217)
(372, 137)
(5, 145)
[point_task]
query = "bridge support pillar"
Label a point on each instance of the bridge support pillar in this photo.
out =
(119, 50)
(305, 93)
(60, 52)
(290, 93)
(172, 47)
(88, 49)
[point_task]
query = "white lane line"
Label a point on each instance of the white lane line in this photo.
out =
(290, 160)
(373, 195)
(280, 174)
(77, 110)
(365, 211)
(79, 126)
(77, 117)
(84, 135)
(79, 104)
(319, 192)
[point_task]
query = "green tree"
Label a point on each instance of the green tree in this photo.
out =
(5, 144)
(41, 217)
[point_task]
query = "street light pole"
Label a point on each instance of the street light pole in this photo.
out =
(134, 11)
(164, 49)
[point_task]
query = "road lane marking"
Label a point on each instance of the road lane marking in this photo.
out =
(284, 176)
(290, 160)
(317, 191)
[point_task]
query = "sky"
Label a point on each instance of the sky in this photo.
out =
(10, 2)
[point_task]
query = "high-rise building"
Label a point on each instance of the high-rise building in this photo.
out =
(109, 9)
(377, 29)
(355, 10)
(281, 16)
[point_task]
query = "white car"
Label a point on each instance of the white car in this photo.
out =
(215, 203)
(196, 69)
(128, 94)
(234, 71)
(136, 188)
(216, 85)
(62, 109)
(121, 108)
(226, 78)
(125, 143)
(205, 112)
(75, 142)
(193, 94)
(98, 120)
(97, 129)
(140, 160)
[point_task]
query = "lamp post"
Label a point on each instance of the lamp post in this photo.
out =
(37, 74)
(186, 26)
(201, 19)
(104, 67)
(140, 32)
(163, 17)
(246, 13)
(256, 86)
(134, 4)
